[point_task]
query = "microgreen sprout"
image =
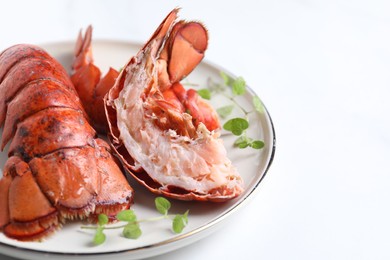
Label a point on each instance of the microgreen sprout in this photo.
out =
(100, 237)
(238, 125)
(131, 228)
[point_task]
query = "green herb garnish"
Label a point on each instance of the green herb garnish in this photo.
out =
(132, 228)
(179, 222)
(204, 93)
(100, 237)
(225, 111)
(239, 125)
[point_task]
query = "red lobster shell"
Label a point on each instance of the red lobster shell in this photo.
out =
(57, 168)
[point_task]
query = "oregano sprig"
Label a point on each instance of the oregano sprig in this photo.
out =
(131, 228)
(238, 125)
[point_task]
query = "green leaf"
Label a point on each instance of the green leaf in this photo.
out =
(258, 104)
(204, 93)
(225, 111)
(126, 215)
(228, 81)
(242, 142)
(162, 205)
(243, 145)
(102, 219)
(236, 125)
(180, 222)
(99, 237)
(258, 144)
(239, 86)
(132, 231)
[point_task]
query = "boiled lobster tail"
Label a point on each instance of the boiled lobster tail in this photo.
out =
(167, 136)
(57, 168)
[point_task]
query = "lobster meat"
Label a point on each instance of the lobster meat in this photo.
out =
(167, 137)
(168, 151)
(57, 167)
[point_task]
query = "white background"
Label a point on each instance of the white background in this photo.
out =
(321, 68)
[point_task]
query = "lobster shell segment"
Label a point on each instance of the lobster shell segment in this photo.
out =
(33, 98)
(90, 86)
(158, 142)
(57, 167)
(27, 214)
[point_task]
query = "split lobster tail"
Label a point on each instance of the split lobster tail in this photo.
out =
(57, 167)
(167, 136)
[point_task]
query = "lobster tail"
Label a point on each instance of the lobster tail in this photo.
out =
(58, 169)
(167, 136)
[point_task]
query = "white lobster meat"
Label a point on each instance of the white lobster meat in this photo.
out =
(162, 145)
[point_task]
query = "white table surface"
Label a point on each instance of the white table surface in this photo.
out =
(321, 68)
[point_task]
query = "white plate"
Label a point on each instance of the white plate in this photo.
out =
(157, 237)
